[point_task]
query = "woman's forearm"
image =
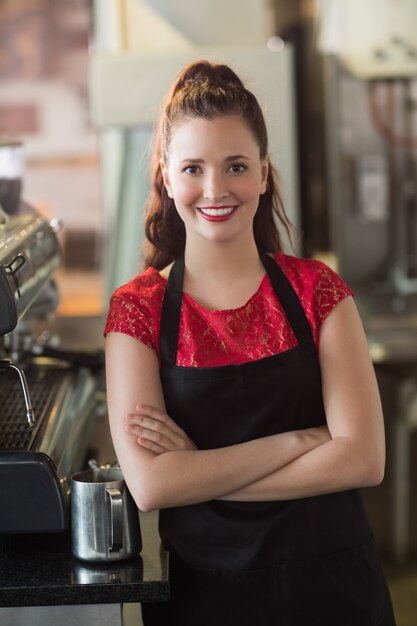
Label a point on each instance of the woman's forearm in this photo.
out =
(180, 478)
(337, 465)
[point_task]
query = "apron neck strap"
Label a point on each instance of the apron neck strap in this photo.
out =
(289, 300)
(171, 308)
(170, 315)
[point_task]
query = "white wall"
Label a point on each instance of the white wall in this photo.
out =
(216, 22)
(374, 38)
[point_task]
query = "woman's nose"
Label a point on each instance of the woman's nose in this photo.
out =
(215, 188)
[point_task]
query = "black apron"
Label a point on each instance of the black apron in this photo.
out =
(296, 562)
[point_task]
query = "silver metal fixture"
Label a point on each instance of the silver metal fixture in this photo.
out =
(30, 416)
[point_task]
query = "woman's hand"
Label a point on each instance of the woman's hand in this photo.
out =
(156, 431)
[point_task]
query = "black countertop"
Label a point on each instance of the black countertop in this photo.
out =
(40, 570)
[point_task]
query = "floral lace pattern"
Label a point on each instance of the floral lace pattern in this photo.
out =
(213, 338)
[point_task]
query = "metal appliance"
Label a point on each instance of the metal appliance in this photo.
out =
(371, 104)
(47, 403)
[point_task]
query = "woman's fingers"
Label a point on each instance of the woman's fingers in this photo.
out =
(155, 430)
(156, 443)
(144, 430)
(159, 416)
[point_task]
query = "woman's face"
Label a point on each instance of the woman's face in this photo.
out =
(215, 176)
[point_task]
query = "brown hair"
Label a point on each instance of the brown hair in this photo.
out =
(206, 90)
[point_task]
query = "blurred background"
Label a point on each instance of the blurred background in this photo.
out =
(81, 83)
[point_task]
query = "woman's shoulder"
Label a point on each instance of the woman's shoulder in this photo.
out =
(300, 266)
(135, 307)
(307, 272)
(317, 285)
(144, 289)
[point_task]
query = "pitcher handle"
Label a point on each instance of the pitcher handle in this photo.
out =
(116, 520)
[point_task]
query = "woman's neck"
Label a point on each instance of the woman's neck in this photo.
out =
(222, 275)
(215, 259)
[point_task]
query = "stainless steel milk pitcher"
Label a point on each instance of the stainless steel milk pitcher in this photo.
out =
(104, 516)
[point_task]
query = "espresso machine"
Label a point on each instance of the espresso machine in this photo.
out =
(48, 397)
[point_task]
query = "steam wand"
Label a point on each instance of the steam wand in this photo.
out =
(6, 364)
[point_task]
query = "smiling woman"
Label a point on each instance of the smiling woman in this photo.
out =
(214, 170)
(242, 400)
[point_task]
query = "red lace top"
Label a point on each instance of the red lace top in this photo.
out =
(212, 338)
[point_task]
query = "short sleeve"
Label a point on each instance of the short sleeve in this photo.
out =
(318, 287)
(329, 290)
(135, 309)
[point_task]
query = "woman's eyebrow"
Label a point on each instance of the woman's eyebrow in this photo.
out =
(233, 157)
(192, 161)
(236, 157)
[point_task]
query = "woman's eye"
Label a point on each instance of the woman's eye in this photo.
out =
(191, 169)
(237, 168)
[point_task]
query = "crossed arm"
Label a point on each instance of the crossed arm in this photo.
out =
(163, 468)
